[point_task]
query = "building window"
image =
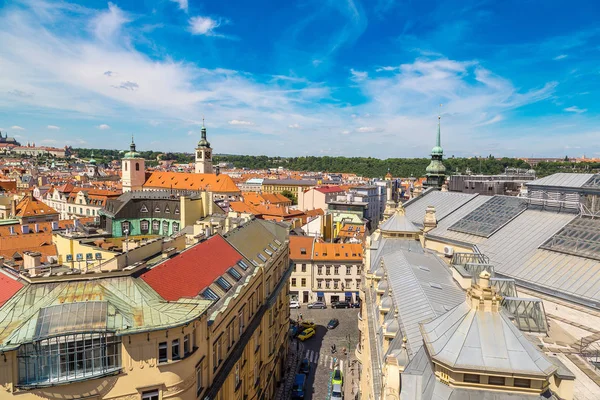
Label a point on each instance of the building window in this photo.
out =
(303, 281)
(222, 282)
(256, 373)
(209, 294)
(144, 225)
(522, 383)
(303, 267)
(319, 283)
(125, 166)
(496, 380)
(175, 227)
(241, 322)
(175, 355)
(327, 270)
(150, 394)
(357, 283)
(125, 228)
(144, 209)
(335, 284)
(199, 379)
(327, 284)
(348, 270)
(186, 345)
(215, 355)
(302, 250)
(155, 226)
(165, 225)
(293, 281)
(319, 270)
(336, 270)
(348, 283)
(471, 378)
(162, 352)
(237, 374)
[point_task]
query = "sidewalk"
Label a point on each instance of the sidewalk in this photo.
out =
(293, 362)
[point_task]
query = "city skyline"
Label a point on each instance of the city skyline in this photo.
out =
(314, 78)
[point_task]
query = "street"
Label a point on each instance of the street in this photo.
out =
(317, 350)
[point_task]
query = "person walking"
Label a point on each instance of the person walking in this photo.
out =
(300, 316)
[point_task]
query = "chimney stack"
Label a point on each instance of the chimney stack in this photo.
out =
(31, 262)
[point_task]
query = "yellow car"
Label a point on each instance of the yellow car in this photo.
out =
(308, 324)
(307, 333)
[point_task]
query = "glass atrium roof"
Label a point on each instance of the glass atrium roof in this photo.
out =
(580, 237)
(594, 182)
(71, 317)
(486, 219)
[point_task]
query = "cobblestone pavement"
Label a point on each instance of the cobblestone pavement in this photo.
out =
(296, 350)
(318, 351)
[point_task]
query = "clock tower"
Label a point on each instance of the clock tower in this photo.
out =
(203, 154)
(133, 170)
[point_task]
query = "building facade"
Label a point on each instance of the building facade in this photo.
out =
(327, 272)
(167, 332)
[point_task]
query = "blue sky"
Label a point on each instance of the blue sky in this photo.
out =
(322, 77)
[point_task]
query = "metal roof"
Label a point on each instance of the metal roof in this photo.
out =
(562, 179)
(444, 203)
(469, 339)
(398, 222)
(131, 307)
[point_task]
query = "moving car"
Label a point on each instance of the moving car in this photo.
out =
(333, 323)
(337, 378)
(308, 324)
(298, 388)
(337, 393)
(294, 304)
(317, 304)
(305, 366)
(340, 304)
(307, 333)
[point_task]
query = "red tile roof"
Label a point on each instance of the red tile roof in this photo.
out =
(8, 287)
(329, 189)
(188, 273)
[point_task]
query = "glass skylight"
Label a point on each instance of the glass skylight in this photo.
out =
(486, 219)
(222, 282)
(580, 237)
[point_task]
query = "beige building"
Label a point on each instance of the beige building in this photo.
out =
(209, 322)
(315, 198)
(430, 331)
(325, 272)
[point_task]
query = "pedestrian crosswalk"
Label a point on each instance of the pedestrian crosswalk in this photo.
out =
(326, 360)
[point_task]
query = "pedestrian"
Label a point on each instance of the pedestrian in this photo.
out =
(300, 316)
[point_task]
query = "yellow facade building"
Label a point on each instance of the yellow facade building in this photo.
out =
(208, 322)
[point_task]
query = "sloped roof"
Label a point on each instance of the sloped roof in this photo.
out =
(562, 179)
(444, 203)
(194, 269)
(8, 287)
(191, 181)
(254, 237)
(337, 251)
(398, 222)
(467, 338)
(297, 243)
(31, 207)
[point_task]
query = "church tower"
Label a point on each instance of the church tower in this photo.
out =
(436, 171)
(133, 170)
(204, 163)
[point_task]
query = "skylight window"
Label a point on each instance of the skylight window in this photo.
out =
(272, 246)
(435, 285)
(243, 265)
(222, 282)
(277, 241)
(269, 252)
(209, 294)
(234, 274)
(261, 257)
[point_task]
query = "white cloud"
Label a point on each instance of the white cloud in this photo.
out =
(103, 127)
(575, 109)
(240, 122)
(387, 69)
(345, 132)
(53, 127)
(203, 25)
(358, 75)
(107, 25)
(17, 128)
(560, 57)
(183, 4)
(365, 129)
(493, 120)
(294, 126)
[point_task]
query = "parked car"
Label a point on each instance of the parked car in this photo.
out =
(333, 323)
(355, 305)
(308, 324)
(305, 366)
(307, 333)
(317, 304)
(294, 304)
(298, 388)
(295, 330)
(337, 378)
(337, 393)
(340, 304)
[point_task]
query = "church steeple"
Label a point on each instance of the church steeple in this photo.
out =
(203, 154)
(436, 171)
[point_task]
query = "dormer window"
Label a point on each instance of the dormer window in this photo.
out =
(157, 209)
(144, 209)
(167, 209)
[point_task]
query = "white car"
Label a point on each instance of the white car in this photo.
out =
(336, 392)
(294, 304)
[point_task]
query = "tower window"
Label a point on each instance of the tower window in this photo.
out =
(137, 166)
(125, 166)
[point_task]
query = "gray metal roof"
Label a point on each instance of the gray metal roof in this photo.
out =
(466, 338)
(398, 222)
(385, 246)
(452, 218)
(444, 203)
(562, 179)
(422, 288)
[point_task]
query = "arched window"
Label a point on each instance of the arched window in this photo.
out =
(125, 166)
(137, 166)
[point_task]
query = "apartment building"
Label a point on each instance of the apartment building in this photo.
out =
(209, 322)
(325, 272)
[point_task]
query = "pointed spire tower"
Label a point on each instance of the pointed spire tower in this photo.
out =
(436, 171)
(133, 169)
(390, 204)
(204, 163)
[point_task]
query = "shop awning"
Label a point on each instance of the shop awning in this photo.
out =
(320, 294)
(348, 294)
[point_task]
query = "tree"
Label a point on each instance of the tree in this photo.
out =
(290, 195)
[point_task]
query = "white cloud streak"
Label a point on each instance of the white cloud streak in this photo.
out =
(17, 128)
(560, 57)
(53, 127)
(203, 26)
(103, 127)
(240, 122)
(183, 4)
(575, 109)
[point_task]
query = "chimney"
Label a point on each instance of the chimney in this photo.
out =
(430, 221)
(31, 262)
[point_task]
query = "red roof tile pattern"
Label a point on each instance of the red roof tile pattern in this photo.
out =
(329, 189)
(8, 287)
(191, 181)
(188, 273)
(29, 207)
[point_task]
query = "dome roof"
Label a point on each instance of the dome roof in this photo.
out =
(386, 304)
(437, 151)
(435, 167)
(379, 273)
(382, 286)
(392, 328)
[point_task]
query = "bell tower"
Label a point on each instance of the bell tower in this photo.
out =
(204, 163)
(133, 170)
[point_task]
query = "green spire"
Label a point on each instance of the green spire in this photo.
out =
(92, 161)
(131, 153)
(437, 150)
(203, 142)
